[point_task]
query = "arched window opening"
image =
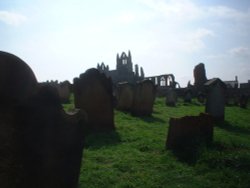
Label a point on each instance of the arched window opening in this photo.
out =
(169, 81)
(162, 81)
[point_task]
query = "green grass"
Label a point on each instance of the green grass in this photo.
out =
(135, 155)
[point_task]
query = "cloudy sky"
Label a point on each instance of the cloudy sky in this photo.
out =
(60, 39)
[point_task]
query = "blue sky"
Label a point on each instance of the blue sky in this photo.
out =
(60, 39)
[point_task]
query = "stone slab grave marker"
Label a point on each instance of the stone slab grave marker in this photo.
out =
(144, 97)
(94, 94)
(124, 95)
(189, 132)
(215, 103)
(40, 145)
(171, 97)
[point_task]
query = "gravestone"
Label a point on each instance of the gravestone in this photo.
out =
(144, 97)
(201, 97)
(17, 81)
(188, 96)
(124, 96)
(199, 76)
(189, 132)
(40, 145)
(64, 91)
(171, 97)
(243, 100)
(94, 94)
(215, 103)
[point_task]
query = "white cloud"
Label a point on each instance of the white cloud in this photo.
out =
(242, 52)
(181, 10)
(12, 18)
(229, 13)
(187, 10)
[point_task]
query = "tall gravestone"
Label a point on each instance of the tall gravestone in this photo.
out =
(199, 76)
(215, 103)
(40, 145)
(144, 97)
(93, 93)
(124, 96)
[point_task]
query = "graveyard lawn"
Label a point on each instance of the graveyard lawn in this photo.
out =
(135, 155)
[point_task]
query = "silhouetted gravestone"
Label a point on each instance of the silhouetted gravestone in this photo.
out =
(124, 96)
(189, 132)
(201, 98)
(199, 76)
(144, 97)
(40, 145)
(188, 96)
(215, 103)
(64, 91)
(93, 93)
(17, 81)
(243, 100)
(171, 97)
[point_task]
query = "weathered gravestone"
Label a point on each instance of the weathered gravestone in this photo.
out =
(243, 100)
(199, 76)
(64, 91)
(124, 96)
(215, 103)
(144, 97)
(189, 132)
(188, 96)
(40, 145)
(93, 93)
(171, 97)
(201, 97)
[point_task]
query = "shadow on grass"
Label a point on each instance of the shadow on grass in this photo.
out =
(231, 128)
(189, 155)
(151, 119)
(98, 140)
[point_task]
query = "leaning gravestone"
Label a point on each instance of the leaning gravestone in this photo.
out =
(124, 96)
(40, 145)
(144, 97)
(189, 132)
(93, 93)
(171, 97)
(199, 76)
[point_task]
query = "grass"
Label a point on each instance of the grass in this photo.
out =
(135, 155)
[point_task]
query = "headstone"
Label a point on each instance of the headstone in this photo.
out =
(64, 91)
(171, 97)
(199, 76)
(188, 96)
(215, 103)
(94, 94)
(40, 145)
(17, 81)
(124, 96)
(243, 100)
(144, 97)
(201, 97)
(189, 132)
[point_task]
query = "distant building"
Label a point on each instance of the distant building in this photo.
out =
(124, 70)
(232, 83)
(245, 85)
